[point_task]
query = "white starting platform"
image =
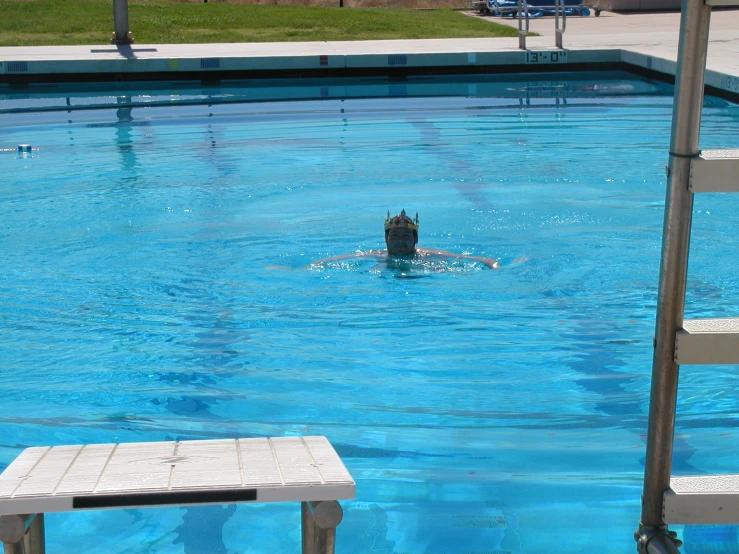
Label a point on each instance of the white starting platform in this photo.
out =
(158, 474)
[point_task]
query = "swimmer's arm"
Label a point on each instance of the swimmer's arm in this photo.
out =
(368, 254)
(492, 264)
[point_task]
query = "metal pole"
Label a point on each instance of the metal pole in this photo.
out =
(308, 527)
(15, 548)
(13, 531)
(35, 537)
(560, 32)
(686, 116)
(120, 23)
(523, 12)
(558, 4)
(319, 521)
(325, 540)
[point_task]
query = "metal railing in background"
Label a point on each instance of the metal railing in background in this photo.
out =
(523, 7)
(559, 6)
(522, 14)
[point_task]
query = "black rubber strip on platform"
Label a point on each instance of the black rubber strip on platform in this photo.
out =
(163, 499)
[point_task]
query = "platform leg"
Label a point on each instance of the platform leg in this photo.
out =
(12, 533)
(35, 537)
(17, 548)
(325, 540)
(308, 527)
(319, 522)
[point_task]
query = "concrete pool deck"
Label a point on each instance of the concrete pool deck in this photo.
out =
(640, 40)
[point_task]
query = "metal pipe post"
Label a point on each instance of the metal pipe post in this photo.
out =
(13, 530)
(308, 527)
(35, 537)
(120, 23)
(319, 521)
(15, 548)
(325, 540)
(558, 5)
(564, 17)
(686, 116)
(521, 32)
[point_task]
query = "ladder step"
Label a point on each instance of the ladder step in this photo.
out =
(715, 170)
(708, 341)
(722, 2)
(708, 499)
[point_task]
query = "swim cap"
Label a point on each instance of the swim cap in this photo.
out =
(401, 220)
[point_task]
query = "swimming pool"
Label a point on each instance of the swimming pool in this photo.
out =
(479, 411)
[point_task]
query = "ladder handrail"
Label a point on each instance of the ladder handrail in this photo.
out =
(523, 5)
(652, 534)
(523, 11)
(559, 5)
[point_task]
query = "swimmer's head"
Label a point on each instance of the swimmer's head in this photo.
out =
(401, 234)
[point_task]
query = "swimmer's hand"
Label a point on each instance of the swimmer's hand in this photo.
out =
(279, 267)
(492, 264)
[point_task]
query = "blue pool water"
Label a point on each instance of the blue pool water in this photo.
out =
(480, 411)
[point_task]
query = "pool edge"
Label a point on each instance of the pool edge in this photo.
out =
(394, 59)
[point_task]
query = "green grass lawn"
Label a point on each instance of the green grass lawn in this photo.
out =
(63, 22)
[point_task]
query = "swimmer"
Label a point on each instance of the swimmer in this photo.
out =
(401, 237)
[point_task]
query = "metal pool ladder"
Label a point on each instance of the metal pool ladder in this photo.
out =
(706, 498)
(522, 14)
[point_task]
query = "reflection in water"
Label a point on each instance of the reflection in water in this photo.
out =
(202, 529)
(471, 189)
(124, 139)
(215, 151)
